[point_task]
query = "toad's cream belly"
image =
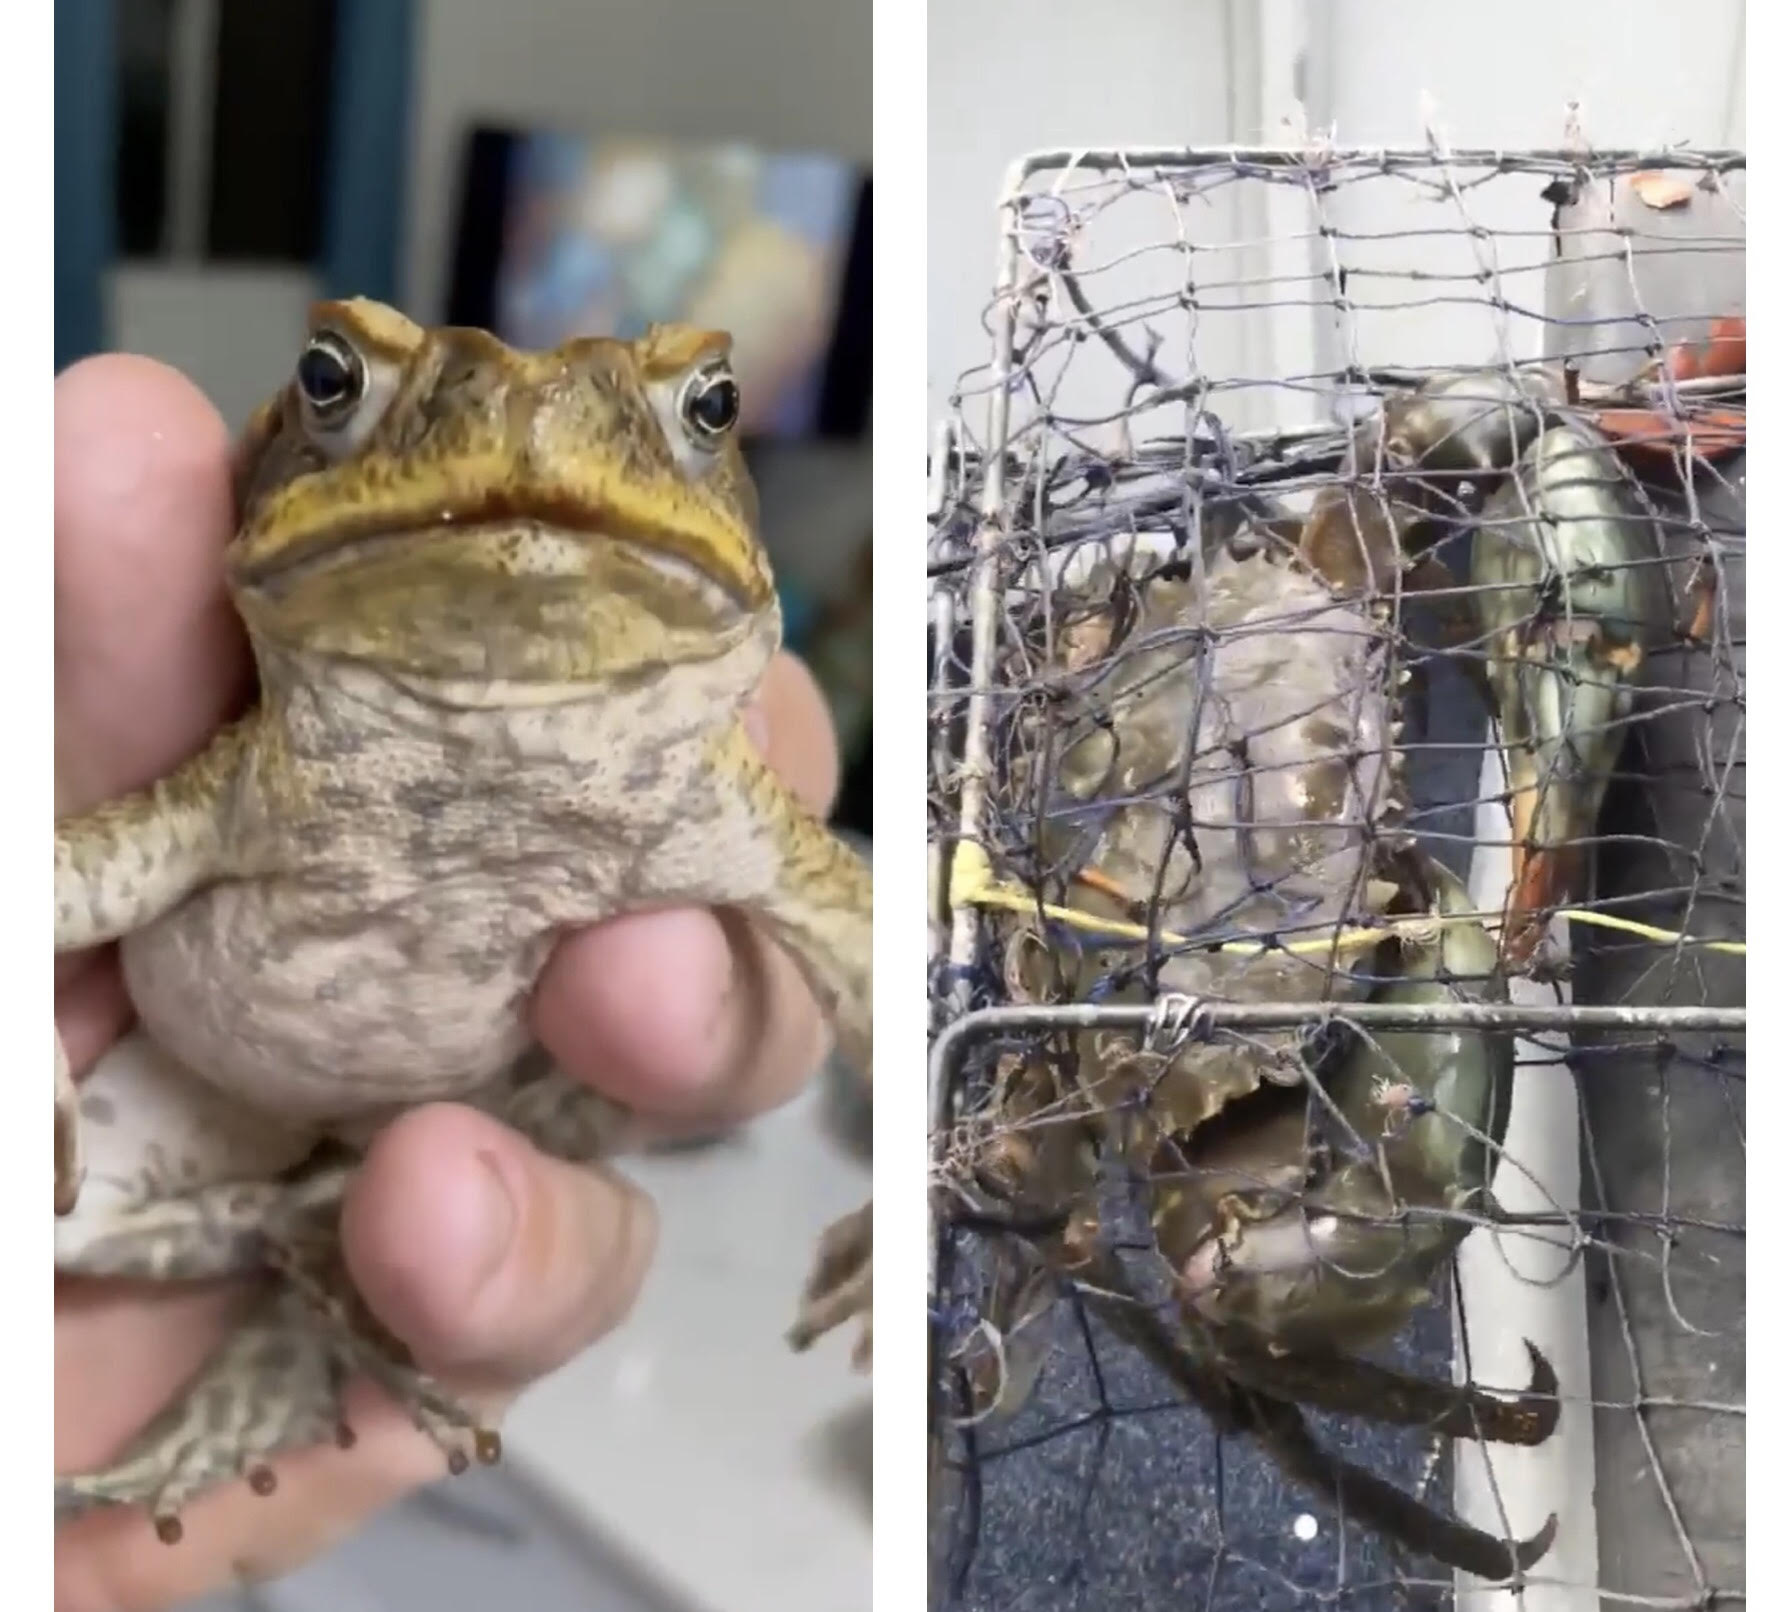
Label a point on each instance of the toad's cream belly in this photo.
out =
(372, 980)
(259, 993)
(386, 956)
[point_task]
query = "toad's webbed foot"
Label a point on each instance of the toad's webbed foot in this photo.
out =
(841, 1286)
(309, 1258)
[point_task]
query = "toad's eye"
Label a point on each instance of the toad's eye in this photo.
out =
(710, 404)
(331, 377)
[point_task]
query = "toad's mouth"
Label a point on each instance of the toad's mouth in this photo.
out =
(523, 537)
(504, 561)
(515, 540)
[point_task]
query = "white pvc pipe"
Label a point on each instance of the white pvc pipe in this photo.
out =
(1517, 1285)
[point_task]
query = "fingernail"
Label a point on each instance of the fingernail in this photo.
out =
(500, 1218)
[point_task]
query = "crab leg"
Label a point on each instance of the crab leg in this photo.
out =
(1380, 1505)
(1351, 1387)
(1281, 1431)
(1724, 354)
(1563, 603)
(1707, 432)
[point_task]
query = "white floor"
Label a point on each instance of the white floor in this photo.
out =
(690, 1463)
(744, 1482)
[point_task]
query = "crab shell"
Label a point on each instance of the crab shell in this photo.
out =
(1257, 708)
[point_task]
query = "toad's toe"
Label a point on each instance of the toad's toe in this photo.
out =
(841, 1287)
(272, 1386)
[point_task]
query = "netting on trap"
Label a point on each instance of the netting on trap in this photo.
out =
(1337, 844)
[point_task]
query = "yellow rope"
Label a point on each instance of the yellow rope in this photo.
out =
(1662, 937)
(971, 884)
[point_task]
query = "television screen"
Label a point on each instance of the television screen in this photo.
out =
(606, 236)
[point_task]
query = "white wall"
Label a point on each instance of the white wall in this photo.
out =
(1370, 63)
(1645, 71)
(1007, 76)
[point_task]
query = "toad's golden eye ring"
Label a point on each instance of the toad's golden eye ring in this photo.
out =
(331, 377)
(710, 404)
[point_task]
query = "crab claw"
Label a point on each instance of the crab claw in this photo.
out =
(1562, 719)
(1330, 1256)
(1527, 1553)
(1563, 603)
(1660, 436)
(1723, 354)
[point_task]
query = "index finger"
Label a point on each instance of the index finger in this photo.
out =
(150, 658)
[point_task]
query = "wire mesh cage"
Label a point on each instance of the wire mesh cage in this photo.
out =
(1337, 633)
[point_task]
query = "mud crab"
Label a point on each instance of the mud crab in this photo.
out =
(1221, 779)
(1213, 769)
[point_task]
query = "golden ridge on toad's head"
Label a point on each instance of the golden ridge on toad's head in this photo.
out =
(439, 501)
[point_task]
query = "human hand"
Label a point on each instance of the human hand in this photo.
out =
(489, 1292)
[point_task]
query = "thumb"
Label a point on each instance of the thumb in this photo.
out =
(494, 1263)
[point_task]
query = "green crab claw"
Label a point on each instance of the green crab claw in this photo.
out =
(1345, 1258)
(1563, 602)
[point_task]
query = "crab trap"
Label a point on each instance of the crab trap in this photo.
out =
(1337, 948)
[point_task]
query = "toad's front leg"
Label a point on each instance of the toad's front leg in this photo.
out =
(815, 896)
(125, 864)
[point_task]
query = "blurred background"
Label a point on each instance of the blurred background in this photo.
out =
(543, 168)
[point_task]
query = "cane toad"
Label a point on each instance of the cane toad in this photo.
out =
(505, 609)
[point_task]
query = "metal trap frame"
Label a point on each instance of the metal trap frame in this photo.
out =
(1260, 418)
